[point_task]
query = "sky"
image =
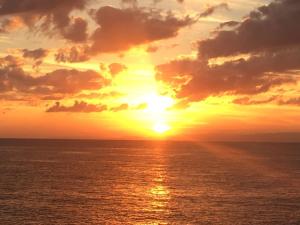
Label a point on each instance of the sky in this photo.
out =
(150, 69)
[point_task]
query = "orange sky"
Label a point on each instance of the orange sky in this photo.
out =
(189, 70)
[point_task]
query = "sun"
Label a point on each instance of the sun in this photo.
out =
(157, 111)
(161, 128)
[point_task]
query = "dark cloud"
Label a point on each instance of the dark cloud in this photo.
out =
(48, 16)
(118, 31)
(228, 24)
(35, 54)
(197, 80)
(81, 107)
(10, 61)
(62, 81)
(84, 107)
(9, 7)
(71, 81)
(74, 54)
(210, 10)
(270, 27)
(76, 31)
(269, 35)
(122, 29)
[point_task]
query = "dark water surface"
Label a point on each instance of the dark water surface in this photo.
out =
(86, 182)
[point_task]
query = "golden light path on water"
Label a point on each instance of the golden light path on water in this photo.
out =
(157, 192)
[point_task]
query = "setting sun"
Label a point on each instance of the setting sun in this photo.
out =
(161, 128)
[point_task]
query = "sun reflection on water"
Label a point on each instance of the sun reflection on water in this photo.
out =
(159, 192)
(156, 192)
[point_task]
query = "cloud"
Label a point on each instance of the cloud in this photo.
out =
(116, 68)
(74, 54)
(112, 94)
(10, 61)
(279, 100)
(228, 24)
(258, 74)
(291, 101)
(119, 108)
(249, 101)
(141, 106)
(47, 16)
(9, 7)
(61, 81)
(152, 49)
(211, 9)
(76, 31)
(81, 107)
(71, 81)
(273, 60)
(122, 29)
(11, 24)
(35, 54)
(84, 107)
(270, 27)
(119, 29)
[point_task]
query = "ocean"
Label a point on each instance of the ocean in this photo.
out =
(47, 182)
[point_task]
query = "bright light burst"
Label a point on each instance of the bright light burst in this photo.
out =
(161, 128)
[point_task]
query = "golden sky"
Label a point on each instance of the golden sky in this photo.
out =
(143, 69)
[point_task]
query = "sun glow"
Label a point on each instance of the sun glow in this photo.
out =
(150, 109)
(157, 104)
(161, 128)
(157, 108)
